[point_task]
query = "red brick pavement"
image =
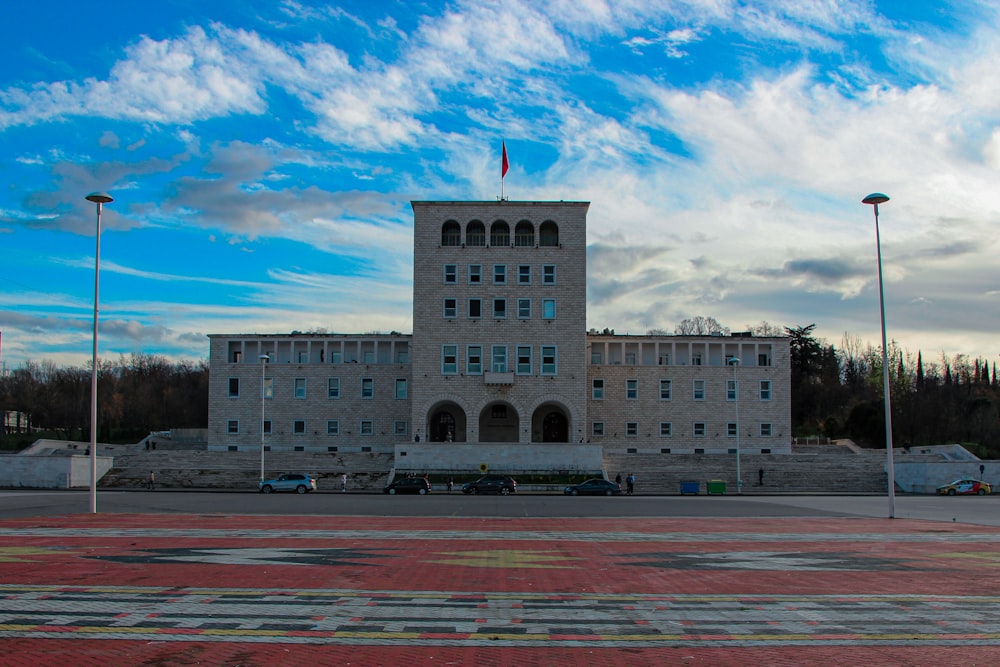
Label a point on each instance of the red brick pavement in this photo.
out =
(248, 590)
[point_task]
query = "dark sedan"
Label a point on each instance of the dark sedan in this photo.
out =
(408, 485)
(593, 487)
(502, 484)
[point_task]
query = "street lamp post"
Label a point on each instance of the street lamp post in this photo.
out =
(99, 198)
(875, 199)
(263, 371)
(734, 362)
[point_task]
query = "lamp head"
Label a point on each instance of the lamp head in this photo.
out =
(875, 198)
(264, 358)
(734, 361)
(100, 198)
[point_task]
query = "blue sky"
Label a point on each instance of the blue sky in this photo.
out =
(262, 157)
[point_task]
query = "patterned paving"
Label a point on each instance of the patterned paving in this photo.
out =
(130, 589)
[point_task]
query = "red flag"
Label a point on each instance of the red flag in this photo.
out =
(504, 165)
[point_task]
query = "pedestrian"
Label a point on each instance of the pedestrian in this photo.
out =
(343, 483)
(151, 482)
(630, 481)
(618, 481)
(451, 483)
(760, 477)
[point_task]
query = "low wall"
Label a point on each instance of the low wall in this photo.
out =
(50, 472)
(926, 476)
(499, 457)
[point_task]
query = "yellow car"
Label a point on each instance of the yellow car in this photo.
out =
(965, 487)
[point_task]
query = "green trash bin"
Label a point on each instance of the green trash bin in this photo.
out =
(716, 486)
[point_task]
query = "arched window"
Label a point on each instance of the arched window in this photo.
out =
(548, 234)
(475, 234)
(524, 234)
(499, 233)
(451, 234)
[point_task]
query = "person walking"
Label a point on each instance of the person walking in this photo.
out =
(451, 483)
(760, 477)
(630, 481)
(618, 481)
(343, 483)
(151, 482)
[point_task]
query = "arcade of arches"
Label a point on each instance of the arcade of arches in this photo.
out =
(498, 422)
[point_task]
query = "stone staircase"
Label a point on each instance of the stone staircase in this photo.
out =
(199, 469)
(808, 469)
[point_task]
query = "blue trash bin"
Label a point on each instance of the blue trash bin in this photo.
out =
(690, 487)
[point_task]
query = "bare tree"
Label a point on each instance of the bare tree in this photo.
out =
(700, 326)
(765, 328)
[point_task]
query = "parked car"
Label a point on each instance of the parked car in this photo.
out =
(502, 484)
(965, 487)
(408, 485)
(593, 487)
(297, 482)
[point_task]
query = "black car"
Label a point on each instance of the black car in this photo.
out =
(593, 487)
(408, 485)
(502, 484)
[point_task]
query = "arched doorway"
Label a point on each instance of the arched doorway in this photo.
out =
(550, 423)
(446, 423)
(498, 422)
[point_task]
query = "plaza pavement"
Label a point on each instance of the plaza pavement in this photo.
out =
(160, 589)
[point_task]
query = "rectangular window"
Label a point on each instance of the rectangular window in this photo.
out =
(696, 359)
(333, 388)
(401, 388)
(367, 388)
(399, 427)
(666, 429)
(549, 309)
(595, 358)
(597, 393)
(763, 360)
(765, 430)
(333, 427)
(549, 274)
(234, 387)
(450, 273)
(303, 357)
(523, 274)
(367, 427)
(597, 428)
(475, 308)
(474, 360)
(449, 359)
(631, 389)
(450, 309)
(499, 309)
(369, 357)
(268, 387)
(630, 358)
(336, 357)
(233, 426)
(475, 274)
(665, 390)
(631, 429)
(731, 390)
(699, 390)
(765, 390)
(549, 363)
(524, 309)
(267, 427)
(699, 430)
(499, 274)
(524, 360)
(499, 355)
(300, 387)
(664, 359)
(731, 429)
(299, 426)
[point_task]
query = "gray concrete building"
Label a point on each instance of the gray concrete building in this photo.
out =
(500, 361)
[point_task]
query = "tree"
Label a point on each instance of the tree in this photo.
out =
(700, 326)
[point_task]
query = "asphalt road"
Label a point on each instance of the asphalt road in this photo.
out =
(972, 510)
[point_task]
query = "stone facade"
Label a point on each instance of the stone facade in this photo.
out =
(500, 354)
